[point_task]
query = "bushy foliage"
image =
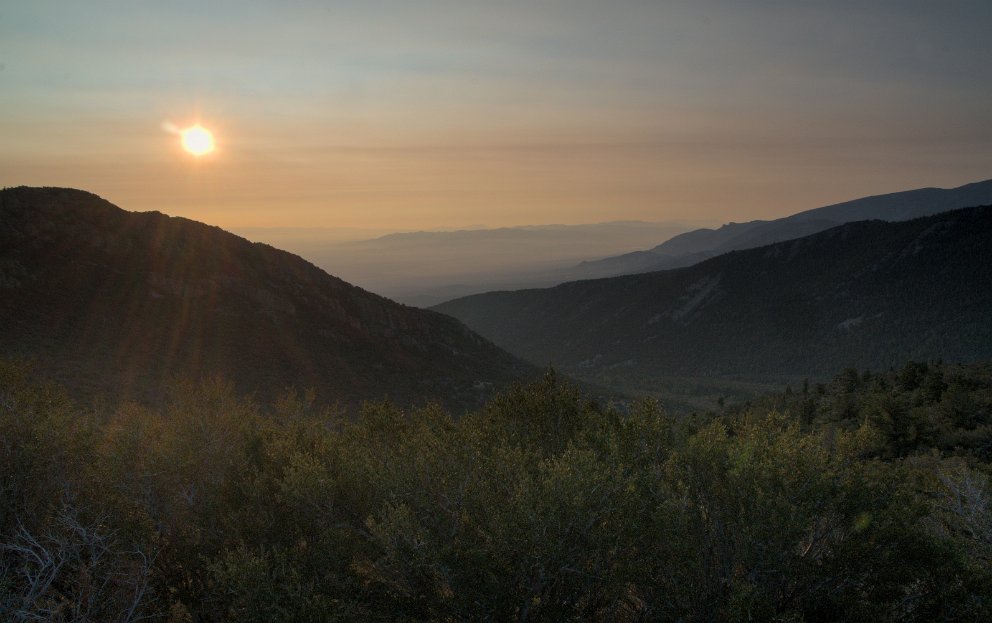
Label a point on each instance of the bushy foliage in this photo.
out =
(543, 506)
(915, 409)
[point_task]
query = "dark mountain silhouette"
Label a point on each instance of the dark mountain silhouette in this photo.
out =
(866, 294)
(694, 246)
(108, 299)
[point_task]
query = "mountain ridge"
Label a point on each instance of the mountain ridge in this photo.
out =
(103, 296)
(865, 294)
(693, 246)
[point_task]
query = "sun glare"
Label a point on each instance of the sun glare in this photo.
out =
(197, 140)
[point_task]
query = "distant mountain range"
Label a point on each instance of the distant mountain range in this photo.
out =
(867, 294)
(694, 246)
(105, 299)
(425, 268)
(428, 267)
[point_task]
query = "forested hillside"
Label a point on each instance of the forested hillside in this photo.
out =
(866, 499)
(865, 295)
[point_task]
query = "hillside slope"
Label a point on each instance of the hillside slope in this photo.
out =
(694, 246)
(866, 294)
(104, 298)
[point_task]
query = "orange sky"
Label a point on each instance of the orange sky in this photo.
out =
(444, 114)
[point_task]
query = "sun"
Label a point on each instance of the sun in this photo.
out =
(197, 140)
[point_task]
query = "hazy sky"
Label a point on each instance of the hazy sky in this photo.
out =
(418, 114)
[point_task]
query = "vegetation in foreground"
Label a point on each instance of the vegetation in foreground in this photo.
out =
(867, 499)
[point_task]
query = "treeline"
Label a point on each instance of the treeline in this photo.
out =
(541, 507)
(915, 409)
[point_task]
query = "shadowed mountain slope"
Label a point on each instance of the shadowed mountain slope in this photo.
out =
(108, 299)
(694, 246)
(866, 294)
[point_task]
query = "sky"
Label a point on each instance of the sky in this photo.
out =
(398, 115)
